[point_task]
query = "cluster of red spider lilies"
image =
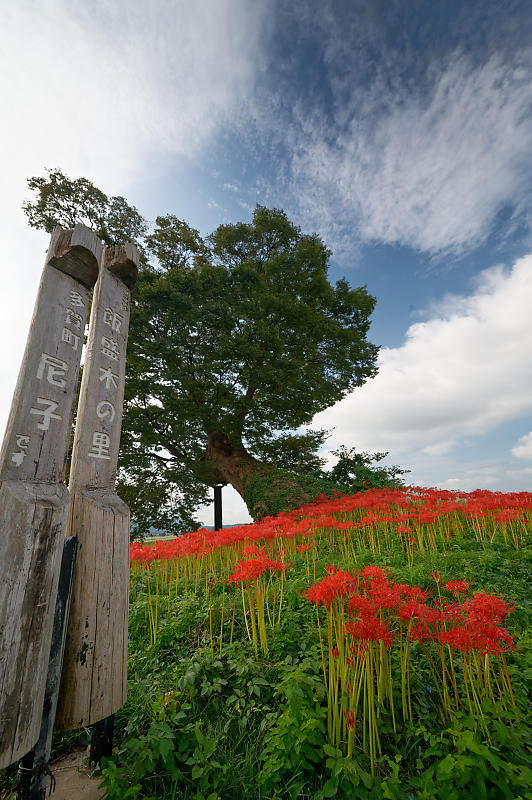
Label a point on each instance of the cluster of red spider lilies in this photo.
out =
(373, 624)
(421, 519)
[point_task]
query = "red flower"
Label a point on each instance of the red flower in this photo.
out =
(360, 606)
(370, 630)
(458, 586)
(253, 550)
(254, 568)
(338, 584)
(487, 607)
(350, 719)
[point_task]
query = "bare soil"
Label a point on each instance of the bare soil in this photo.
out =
(73, 779)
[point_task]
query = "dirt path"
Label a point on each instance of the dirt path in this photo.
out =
(73, 781)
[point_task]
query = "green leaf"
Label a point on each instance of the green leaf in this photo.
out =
(199, 736)
(165, 747)
(331, 788)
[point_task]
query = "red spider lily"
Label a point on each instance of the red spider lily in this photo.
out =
(374, 572)
(370, 630)
(360, 607)
(415, 505)
(478, 637)
(332, 587)
(458, 587)
(385, 595)
(411, 610)
(420, 633)
(349, 719)
(253, 568)
(414, 593)
(487, 607)
(253, 550)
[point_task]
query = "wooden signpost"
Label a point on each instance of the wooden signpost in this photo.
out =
(93, 682)
(34, 502)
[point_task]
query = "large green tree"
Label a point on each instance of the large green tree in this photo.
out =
(236, 341)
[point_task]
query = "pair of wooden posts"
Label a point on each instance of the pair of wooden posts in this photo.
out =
(40, 518)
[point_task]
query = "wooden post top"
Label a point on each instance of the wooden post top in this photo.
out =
(123, 261)
(76, 252)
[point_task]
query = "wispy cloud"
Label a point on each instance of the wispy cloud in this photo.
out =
(429, 169)
(104, 84)
(460, 374)
(102, 90)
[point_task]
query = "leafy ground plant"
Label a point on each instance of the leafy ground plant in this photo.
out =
(427, 709)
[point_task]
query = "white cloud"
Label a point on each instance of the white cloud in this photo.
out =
(459, 374)
(99, 89)
(439, 449)
(101, 85)
(523, 448)
(428, 170)
(521, 474)
(470, 480)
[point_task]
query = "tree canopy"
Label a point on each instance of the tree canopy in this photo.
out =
(237, 340)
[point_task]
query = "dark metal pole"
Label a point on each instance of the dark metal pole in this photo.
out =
(34, 767)
(25, 775)
(102, 740)
(218, 507)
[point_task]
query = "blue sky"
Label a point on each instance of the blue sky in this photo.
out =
(399, 131)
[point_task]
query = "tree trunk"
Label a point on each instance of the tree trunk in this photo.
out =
(265, 489)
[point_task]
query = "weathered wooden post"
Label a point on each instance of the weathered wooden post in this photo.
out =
(94, 677)
(34, 502)
(34, 766)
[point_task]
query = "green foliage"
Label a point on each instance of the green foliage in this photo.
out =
(224, 723)
(292, 452)
(61, 201)
(175, 748)
(270, 491)
(462, 765)
(238, 337)
(354, 472)
(294, 745)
